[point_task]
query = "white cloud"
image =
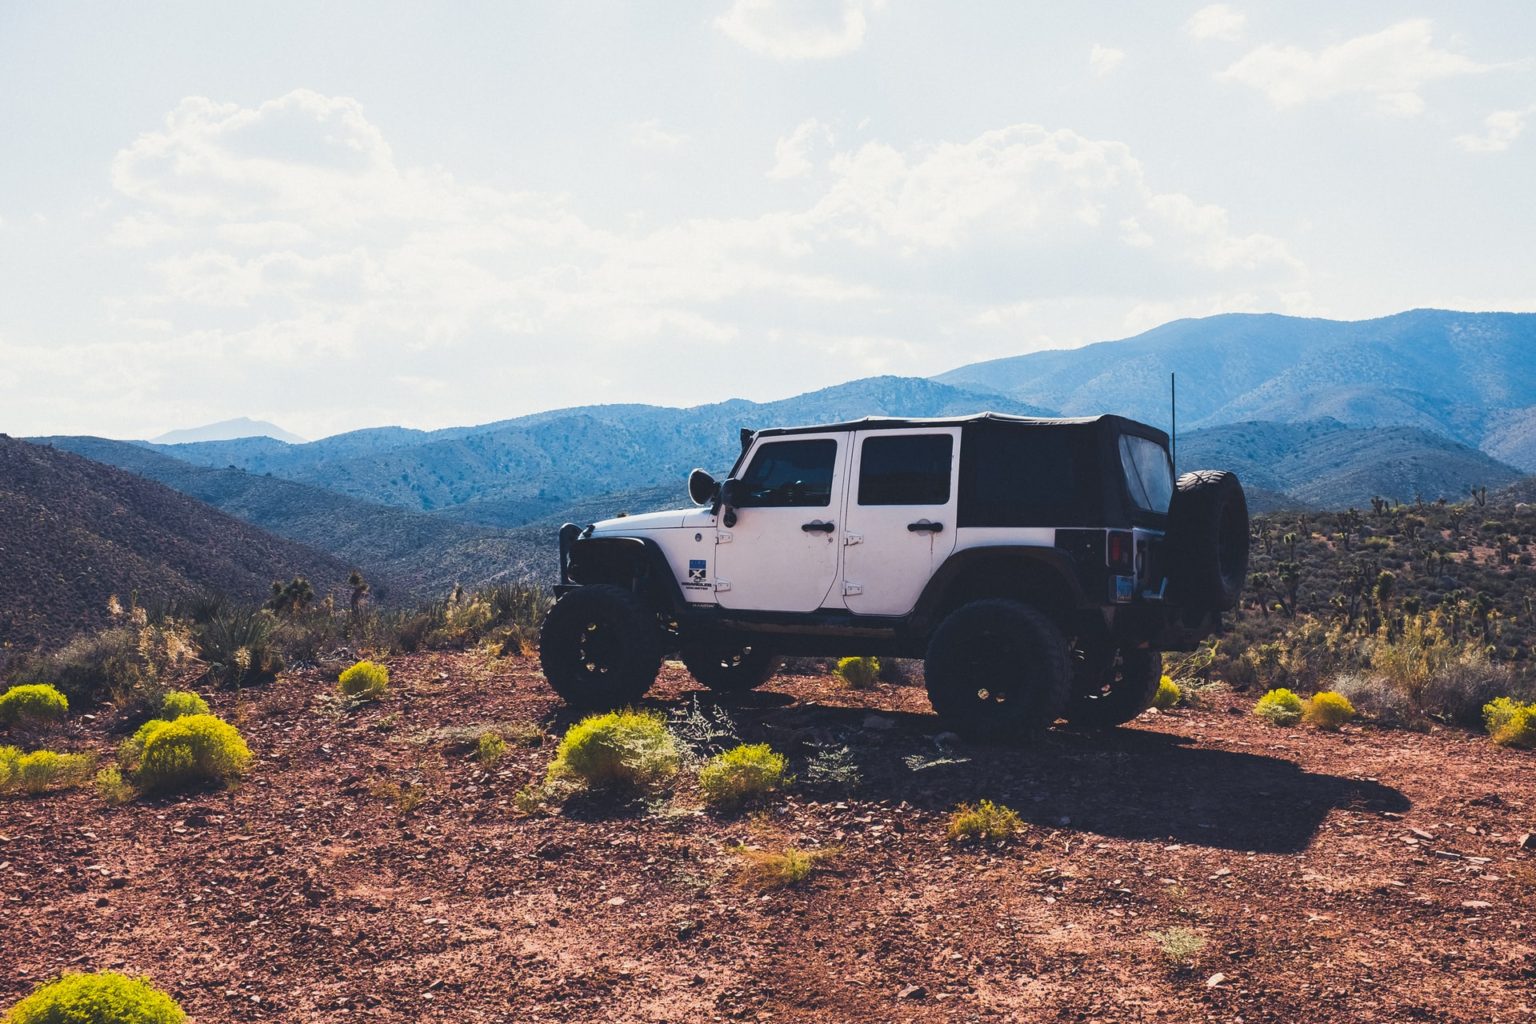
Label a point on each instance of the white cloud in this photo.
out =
(1216, 21)
(792, 153)
(1104, 59)
(288, 250)
(1500, 128)
(798, 29)
(650, 135)
(1391, 67)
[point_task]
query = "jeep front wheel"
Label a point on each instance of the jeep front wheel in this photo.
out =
(997, 669)
(1107, 695)
(727, 667)
(600, 647)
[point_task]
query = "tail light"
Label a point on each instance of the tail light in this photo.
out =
(1119, 551)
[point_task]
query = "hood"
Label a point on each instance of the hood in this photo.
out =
(646, 521)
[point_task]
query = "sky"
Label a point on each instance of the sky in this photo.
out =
(341, 215)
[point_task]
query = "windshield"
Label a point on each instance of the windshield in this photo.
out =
(1148, 474)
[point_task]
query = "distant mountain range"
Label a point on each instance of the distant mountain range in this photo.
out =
(228, 430)
(77, 531)
(1470, 377)
(1314, 413)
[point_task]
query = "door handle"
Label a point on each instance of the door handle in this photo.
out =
(925, 527)
(818, 527)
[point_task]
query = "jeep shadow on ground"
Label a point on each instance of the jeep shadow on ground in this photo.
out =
(1123, 783)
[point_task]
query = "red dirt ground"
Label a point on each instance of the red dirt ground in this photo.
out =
(1363, 876)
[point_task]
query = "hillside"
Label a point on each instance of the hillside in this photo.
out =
(421, 555)
(1325, 464)
(516, 470)
(76, 530)
(1468, 376)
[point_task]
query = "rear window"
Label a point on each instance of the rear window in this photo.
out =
(790, 474)
(1148, 474)
(908, 469)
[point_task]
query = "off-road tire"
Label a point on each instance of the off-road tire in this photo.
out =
(1207, 540)
(727, 667)
(600, 647)
(997, 669)
(1105, 696)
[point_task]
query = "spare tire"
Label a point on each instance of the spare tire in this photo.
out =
(1207, 540)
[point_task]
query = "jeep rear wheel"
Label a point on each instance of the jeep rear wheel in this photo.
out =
(1108, 695)
(600, 647)
(997, 669)
(727, 667)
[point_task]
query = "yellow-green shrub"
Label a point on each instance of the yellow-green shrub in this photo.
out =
(859, 673)
(1168, 694)
(1510, 723)
(1279, 707)
(490, 748)
(179, 703)
(31, 704)
(1327, 710)
(983, 821)
(768, 869)
(367, 680)
(195, 750)
(105, 998)
(42, 770)
(744, 774)
(618, 750)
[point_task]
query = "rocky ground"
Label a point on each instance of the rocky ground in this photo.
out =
(369, 868)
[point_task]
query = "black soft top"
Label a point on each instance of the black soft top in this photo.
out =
(1120, 424)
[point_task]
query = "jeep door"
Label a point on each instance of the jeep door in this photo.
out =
(900, 520)
(782, 553)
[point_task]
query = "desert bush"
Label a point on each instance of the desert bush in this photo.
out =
(1168, 694)
(42, 770)
(834, 766)
(32, 704)
(1510, 723)
(240, 646)
(367, 680)
(620, 750)
(132, 662)
(196, 750)
(1373, 695)
(1279, 707)
(983, 821)
(743, 775)
(112, 787)
(490, 748)
(1180, 945)
(1327, 710)
(778, 869)
(858, 673)
(179, 703)
(103, 998)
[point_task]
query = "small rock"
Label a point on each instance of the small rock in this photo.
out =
(617, 901)
(1421, 833)
(1528, 841)
(912, 992)
(1215, 980)
(1475, 905)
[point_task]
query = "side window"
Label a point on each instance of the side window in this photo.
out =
(790, 474)
(1147, 473)
(907, 469)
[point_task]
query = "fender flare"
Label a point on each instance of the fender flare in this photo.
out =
(1002, 568)
(633, 562)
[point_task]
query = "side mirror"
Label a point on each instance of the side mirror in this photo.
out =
(701, 487)
(728, 496)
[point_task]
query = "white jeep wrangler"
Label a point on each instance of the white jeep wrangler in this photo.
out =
(1038, 566)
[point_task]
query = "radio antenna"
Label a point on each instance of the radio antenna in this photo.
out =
(1173, 420)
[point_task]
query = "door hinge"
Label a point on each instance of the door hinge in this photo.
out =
(722, 538)
(722, 585)
(850, 539)
(852, 589)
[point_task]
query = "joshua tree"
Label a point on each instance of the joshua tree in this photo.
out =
(359, 591)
